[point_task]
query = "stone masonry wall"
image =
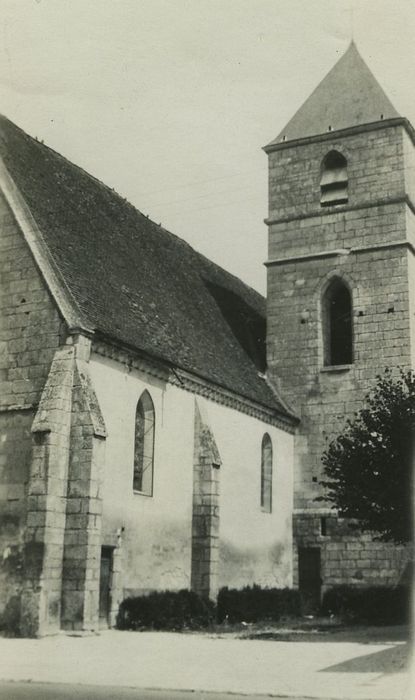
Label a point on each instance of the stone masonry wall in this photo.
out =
(375, 166)
(347, 556)
(324, 397)
(409, 155)
(30, 329)
(366, 244)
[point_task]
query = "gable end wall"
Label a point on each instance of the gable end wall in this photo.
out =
(30, 328)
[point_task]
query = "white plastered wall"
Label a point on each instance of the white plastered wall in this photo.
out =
(255, 546)
(155, 532)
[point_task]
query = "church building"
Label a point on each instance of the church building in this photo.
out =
(142, 445)
(161, 423)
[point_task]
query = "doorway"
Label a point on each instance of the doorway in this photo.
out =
(105, 586)
(309, 578)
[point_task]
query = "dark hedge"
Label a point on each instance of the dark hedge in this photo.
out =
(378, 605)
(166, 610)
(254, 604)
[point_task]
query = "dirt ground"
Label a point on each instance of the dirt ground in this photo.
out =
(398, 657)
(321, 629)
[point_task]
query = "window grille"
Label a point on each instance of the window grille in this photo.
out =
(144, 446)
(266, 474)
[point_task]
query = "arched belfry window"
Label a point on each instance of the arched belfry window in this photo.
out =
(266, 474)
(337, 324)
(144, 445)
(333, 183)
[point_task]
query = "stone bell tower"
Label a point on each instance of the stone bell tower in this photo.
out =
(340, 293)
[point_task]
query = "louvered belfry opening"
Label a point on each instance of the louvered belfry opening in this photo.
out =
(333, 183)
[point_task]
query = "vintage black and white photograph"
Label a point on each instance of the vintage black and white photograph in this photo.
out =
(207, 349)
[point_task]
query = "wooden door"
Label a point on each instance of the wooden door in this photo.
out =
(309, 578)
(105, 585)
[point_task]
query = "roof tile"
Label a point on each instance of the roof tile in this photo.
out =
(134, 281)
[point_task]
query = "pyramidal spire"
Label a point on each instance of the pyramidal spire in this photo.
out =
(348, 96)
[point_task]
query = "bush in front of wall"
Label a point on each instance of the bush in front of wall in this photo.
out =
(376, 605)
(10, 618)
(166, 610)
(256, 604)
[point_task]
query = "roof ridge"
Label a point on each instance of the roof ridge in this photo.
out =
(60, 156)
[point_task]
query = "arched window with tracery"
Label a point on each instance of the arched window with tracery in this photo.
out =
(266, 474)
(337, 324)
(144, 445)
(334, 181)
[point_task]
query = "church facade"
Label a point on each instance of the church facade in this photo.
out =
(159, 421)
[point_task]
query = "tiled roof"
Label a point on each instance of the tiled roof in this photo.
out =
(348, 96)
(136, 283)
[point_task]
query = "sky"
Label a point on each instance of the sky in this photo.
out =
(170, 101)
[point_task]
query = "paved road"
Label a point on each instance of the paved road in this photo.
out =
(63, 691)
(210, 665)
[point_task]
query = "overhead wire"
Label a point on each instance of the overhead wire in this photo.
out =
(215, 206)
(200, 196)
(195, 183)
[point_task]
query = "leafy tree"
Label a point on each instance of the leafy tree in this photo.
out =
(368, 468)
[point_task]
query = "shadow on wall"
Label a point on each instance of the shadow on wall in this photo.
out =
(268, 567)
(407, 576)
(392, 660)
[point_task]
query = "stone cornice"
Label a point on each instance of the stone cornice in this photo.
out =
(16, 407)
(337, 252)
(313, 511)
(308, 256)
(194, 384)
(340, 133)
(329, 211)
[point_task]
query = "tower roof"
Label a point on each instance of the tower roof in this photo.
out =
(348, 96)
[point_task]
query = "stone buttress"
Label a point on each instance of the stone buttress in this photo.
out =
(205, 521)
(63, 530)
